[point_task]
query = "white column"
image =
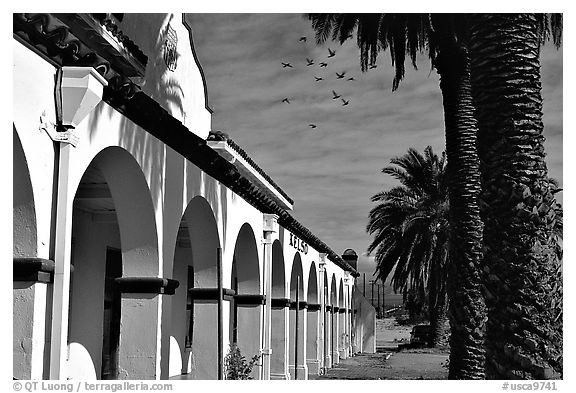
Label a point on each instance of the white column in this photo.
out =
(321, 316)
(270, 227)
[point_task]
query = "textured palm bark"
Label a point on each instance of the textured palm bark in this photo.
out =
(467, 312)
(523, 283)
(437, 304)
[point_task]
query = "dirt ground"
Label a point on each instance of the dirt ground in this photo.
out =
(389, 362)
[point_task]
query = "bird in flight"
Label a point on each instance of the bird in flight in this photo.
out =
(351, 78)
(372, 66)
(284, 65)
(286, 100)
(344, 102)
(302, 39)
(323, 64)
(318, 79)
(340, 76)
(310, 61)
(332, 52)
(336, 96)
(312, 126)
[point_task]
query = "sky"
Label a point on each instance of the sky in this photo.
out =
(330, 171)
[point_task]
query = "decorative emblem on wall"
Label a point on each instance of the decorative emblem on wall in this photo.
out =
(170, 44)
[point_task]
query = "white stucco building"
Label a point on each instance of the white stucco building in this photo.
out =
(143, 243)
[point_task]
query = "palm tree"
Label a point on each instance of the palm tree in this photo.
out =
(522, 264)
(410, 228)
(440, 35)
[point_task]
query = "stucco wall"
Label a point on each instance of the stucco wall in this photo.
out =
(181, 91)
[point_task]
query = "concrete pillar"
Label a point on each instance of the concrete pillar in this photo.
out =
(204, 357)
(139, 336)
(342, 340)
(280, 342)
(249, 332)
(301, 331)
(30, 306)
(334, 320)
(313, 349)
(327, 337)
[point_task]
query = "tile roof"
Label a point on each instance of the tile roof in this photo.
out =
(221, 136)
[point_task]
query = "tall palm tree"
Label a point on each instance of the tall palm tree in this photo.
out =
(522, 265)
(410, 228)
(441, 36)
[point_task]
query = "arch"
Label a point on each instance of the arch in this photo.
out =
(113, 235)
(278, 271)
(134, 208)
(312, 284)
(297, 276)
(194, 321)
(245, 265)
(341, 302)
(246, 310)
(24, 226)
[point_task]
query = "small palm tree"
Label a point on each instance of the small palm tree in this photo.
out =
(410, 228)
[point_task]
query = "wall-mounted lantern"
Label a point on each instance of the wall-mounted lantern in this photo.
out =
(79, 91)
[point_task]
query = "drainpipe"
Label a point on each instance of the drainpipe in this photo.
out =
(270, 227)
(219, 313)
(78, 91)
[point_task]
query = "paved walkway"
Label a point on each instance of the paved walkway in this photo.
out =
(413, 364)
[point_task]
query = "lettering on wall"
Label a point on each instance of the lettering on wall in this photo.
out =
(298, 244)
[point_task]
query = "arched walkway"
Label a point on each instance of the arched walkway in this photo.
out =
(246, 307)
(114, 250)
(194, 326)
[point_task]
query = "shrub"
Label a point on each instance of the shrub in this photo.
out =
(236, 366)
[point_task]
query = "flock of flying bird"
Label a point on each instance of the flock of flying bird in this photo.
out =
(339, 75)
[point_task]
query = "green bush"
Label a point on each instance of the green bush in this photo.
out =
(236, 366)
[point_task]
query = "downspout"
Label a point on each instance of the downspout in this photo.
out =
(77, 92)
(219, 313)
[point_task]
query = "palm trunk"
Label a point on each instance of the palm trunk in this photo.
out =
(523, 282)
(438, 314)
(466, 309)
(437, 309)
